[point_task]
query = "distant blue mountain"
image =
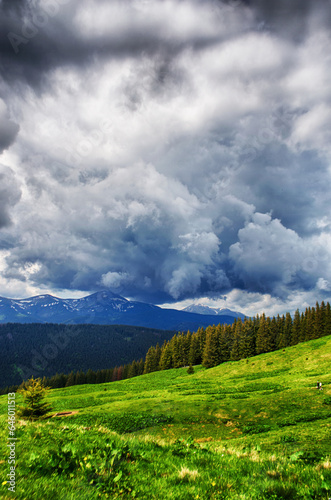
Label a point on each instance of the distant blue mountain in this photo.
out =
(103, 308)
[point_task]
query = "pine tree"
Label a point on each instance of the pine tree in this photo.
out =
(311, 323)
(152, 360)
(141, 365)
(166, 361)
(99, 378)
(201, 333)
(186, 348)
(247, 345)
(176, 351)
(114, 375)
(33, 393)
(120, 373)
(158, 353)
(327, 323)
(264, 341)
(296, 328)
(90, 377)
(133, 370)
(194, 357)
(71, 379)
(303, 328)
(287, 332)
(320, 317)
(109, 375)
(237, 340)
(80, 378)
(211, 354)
(126, 369)
(223, 343)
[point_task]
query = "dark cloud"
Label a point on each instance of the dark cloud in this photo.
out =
(292, 19)
(36, 37)
(10, 194)
(8, 129)
(167, 150)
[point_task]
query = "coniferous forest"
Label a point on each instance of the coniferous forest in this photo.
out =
(212, 346)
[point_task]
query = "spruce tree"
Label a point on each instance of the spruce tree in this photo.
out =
(90, 377)
(133, 370)
(237, 340)
(311, 323)
(194, 357)
(71, 379)
(176, 351)
(296, 328)
(34, 406)
(287, 331)
(319, 323)
(327, 323)
(114, 374)
(264, 341)
(247, 345)
(151, 360)
(223, 343)
(211, 354)
(120, 373)
(141, 365)
(166, 361)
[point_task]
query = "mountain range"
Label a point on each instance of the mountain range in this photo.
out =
(108, 308)
(213, 311)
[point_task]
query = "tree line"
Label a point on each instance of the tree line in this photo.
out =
(212, 346)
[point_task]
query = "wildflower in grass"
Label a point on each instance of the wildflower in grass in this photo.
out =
(213, 483)
(5, 482)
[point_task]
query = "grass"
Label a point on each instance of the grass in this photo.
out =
(251, 429)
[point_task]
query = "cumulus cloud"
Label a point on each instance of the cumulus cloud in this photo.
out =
(275, 258)
(167, 150)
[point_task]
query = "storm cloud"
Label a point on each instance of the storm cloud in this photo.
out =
(169, 150)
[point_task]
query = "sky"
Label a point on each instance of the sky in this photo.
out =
(171, 151)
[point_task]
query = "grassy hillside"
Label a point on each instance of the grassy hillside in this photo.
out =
(251, 429)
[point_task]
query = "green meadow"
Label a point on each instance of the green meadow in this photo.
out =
(251, 429)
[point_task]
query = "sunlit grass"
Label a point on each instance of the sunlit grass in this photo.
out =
(252, 429)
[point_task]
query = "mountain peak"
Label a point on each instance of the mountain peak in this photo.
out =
(203, 309)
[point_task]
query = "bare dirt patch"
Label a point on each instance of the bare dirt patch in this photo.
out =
(65, 413)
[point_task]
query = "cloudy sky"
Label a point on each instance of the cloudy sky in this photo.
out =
(173, 151)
